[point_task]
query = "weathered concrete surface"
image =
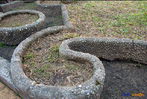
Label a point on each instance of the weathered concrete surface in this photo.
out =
(14, 35)
(76, 49)
(5, 75)
(79, 49)
(107, 48)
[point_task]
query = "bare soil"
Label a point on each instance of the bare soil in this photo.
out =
(124, 77)
(43, 64)
(18, 20)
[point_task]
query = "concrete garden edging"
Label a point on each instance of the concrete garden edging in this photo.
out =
(14, 35)
(79, 49)
(48, 10)
(6, 7)
(28, 89)
(5, 72)
(107, 48)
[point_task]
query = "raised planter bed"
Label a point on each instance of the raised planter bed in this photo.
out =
(14, 35)
(42, 64)
(6, 7)
(29, 89)
(77, 49)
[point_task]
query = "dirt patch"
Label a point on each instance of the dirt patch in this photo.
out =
(43, 64)
(18, 20)
(124, 77)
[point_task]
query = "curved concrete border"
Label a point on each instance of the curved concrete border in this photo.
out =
(79, 49)
(67, 24)
(107, 48)
(28, 89)
(14, 35)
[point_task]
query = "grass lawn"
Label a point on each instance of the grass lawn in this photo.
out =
(120, 19)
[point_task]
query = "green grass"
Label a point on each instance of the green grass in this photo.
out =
(55, 48)
(28, 56)
(119, 19)
(1, 44)
(31, 63)
(60, 17)
(70, 67)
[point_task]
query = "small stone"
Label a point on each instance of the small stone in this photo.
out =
(80, 86)
(88, 93)
(34, 83)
